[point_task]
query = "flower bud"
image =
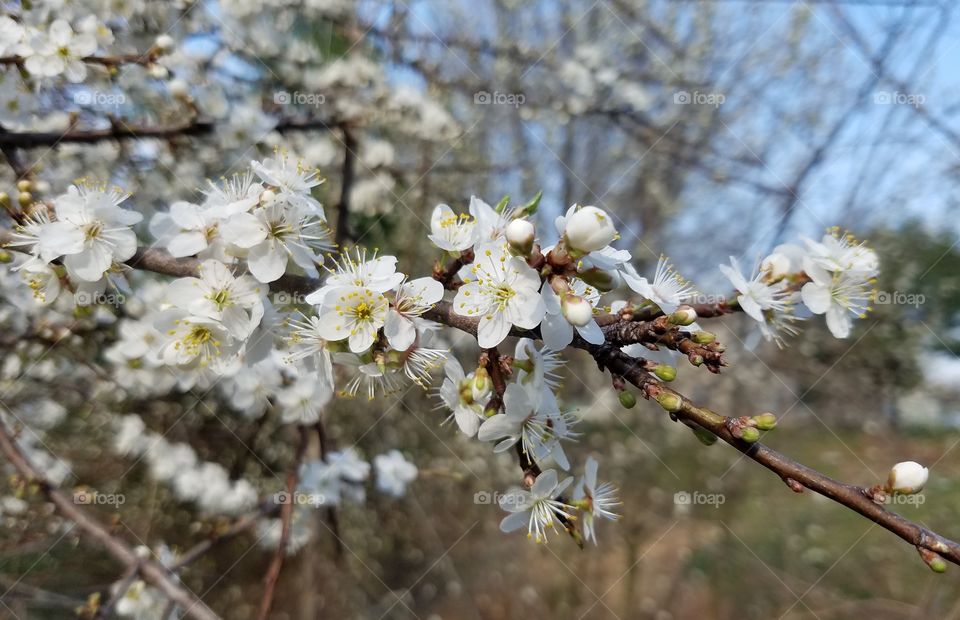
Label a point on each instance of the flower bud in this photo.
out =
(267, 197)
(520, 235)
(481, 383)
(765, 421)
(703, 337)
(684, 315)
(589, 229)
(750, 434)
(576, 310)
(670, 401)
(627, 399)
(179, 88)
(776, 266)
(158, 72)
(164, 43)
(907, 477)
(664, 372)
(934, 560)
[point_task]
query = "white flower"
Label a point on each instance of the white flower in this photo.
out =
(60, 50)
(11, 34)
(538, 431)
(490, 225)
(237, 194)
(272, 234)
(354, 313)
(668, 289)
(293, 182)
(557, 328)
(907, 477)
(538, 370)
(394, 473)
(302, 402)
(841, 253)
(194, 340)
(538, 509)
(307, 343)
(377, 274)
(187, 229)
(450, 231)
(91, 231)
(465, 396)
(234, 301)
(41, 279)
(768, 304)
(598, 500)
(588, 229)
(505, 293)
(413, 299)
(840, 295)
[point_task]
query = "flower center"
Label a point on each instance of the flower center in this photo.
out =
(93, 230)
(221, 298)
(502, 294)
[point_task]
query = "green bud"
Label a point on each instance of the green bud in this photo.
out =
(665, 372)
(670, 401)
(627, 399)
(685, 315)
(765, 421)
(706, 437)
(703, 337)
(938, 565)
(750, 435)
(697, 360)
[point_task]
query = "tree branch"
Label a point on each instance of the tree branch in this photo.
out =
(152, 572)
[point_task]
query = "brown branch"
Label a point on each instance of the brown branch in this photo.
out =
(286, 514)
(794, 474)
(152, 572)
(106, 61)
(347, 175)
(125, 132)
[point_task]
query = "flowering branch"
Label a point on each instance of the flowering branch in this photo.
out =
(152, 572)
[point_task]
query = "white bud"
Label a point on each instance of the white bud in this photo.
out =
(907, 477)
(520, 235)
(179, 88)
(576, 310)
(684, 315)
(776, 266)
(589, 229)
(158, 72)
(267, 197)
(164, 43)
